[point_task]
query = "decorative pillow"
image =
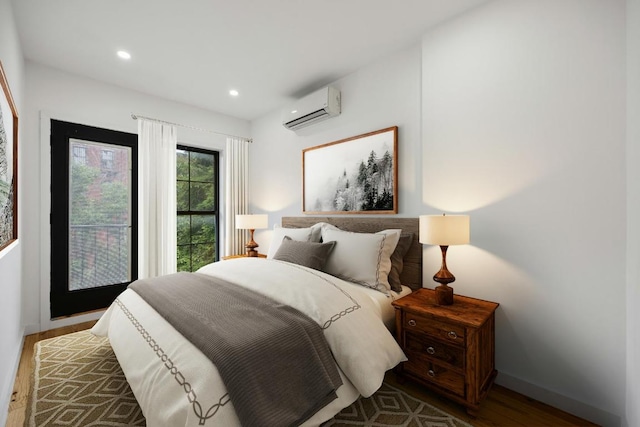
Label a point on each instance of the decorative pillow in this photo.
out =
(397, 261)
(316, 231)
(362, 258)
(310, 254)
(309, 234)
(325, 226)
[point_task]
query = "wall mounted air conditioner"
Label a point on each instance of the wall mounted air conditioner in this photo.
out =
(313, 108)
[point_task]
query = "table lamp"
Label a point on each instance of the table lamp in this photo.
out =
(252, 223)
(444, 230)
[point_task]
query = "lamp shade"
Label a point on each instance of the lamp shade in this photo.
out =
(252, 222)
(444, 230)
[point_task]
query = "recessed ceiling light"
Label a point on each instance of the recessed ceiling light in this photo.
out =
(124, 54)
(233, 92)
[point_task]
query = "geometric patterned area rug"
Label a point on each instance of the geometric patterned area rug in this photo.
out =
(77, 381)
(390, 406)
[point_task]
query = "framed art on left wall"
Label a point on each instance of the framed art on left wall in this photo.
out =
(8, 165)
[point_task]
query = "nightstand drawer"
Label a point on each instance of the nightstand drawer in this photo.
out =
(435, 373)
(446, 331)
(428, 348)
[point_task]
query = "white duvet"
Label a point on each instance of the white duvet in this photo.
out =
(176, 385)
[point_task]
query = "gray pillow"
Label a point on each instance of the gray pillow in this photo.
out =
(309, 254)
(397, 260)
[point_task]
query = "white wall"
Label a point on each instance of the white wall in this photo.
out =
(384, 94)
(515, 115)
(55, 94)
(11, 326)
(524, 128)
(633, 213)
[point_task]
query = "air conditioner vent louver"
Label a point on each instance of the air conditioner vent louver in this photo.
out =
(313, 108)
(316, 116)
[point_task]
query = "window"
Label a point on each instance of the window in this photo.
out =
(107, 160)
(197, 207)
(79, 155)
(94, 230)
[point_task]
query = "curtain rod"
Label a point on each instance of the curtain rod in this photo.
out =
(137, 116)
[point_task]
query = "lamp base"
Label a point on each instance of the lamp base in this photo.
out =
(251, 246)
(444, 295)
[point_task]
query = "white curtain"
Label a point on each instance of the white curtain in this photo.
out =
(157, 198)
(237, 193)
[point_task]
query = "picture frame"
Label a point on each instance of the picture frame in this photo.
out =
(357, 175)
(8, 165)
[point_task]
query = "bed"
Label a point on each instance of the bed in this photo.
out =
(177, 385)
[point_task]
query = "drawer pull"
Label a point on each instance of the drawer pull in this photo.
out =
(412, 322)
(431, 373)
(452, 335)
(431, 350)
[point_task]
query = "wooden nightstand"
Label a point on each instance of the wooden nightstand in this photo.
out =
(451, 349)
(241, 256)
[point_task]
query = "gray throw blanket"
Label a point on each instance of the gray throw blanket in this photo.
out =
(274, 360)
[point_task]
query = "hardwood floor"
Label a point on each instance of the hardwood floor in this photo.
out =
(502, 407)
(18, 404)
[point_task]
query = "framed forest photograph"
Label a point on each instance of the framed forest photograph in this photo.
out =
(357, 175)
(8, 165)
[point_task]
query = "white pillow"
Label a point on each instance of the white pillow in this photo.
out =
(309, 234)
(325, 226)
(362, 258)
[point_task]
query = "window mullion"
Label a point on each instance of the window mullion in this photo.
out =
(202, 245)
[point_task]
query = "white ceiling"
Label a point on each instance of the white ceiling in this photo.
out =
(195, 51)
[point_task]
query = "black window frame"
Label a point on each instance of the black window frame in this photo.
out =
(215, 212)
(65, 302)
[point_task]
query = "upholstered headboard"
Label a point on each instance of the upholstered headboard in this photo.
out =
(412, 271)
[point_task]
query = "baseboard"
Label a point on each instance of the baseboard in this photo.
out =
(33, 328)
(7, 389)
(71, 320)
(60, 322)
(567, 404)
